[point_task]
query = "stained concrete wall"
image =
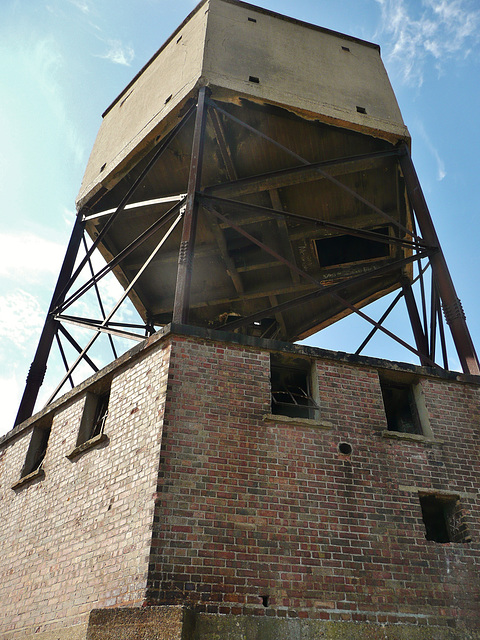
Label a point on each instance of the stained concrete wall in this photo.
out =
(225, 43)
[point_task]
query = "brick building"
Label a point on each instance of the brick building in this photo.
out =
(219, 481)
(201, 493)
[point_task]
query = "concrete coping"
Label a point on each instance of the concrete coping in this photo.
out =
(411, 437)
(302, 422)
(87, 445)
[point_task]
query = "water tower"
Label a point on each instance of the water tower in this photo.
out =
(254, 177)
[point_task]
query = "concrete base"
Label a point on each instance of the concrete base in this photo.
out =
(214, 627)
(151, 623)
(177, 623)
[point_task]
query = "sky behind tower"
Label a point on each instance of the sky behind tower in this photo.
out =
(64, 61)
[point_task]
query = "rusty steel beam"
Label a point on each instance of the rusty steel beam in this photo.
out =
(320, 292)
(258, 209)
(187, 243)
(211, 220)
(99, 297)
(38, 367)
(77, 347)
(298, 175)
(105, 322)
(64, 357)
(452, 306)
(314, 281)
(152, 229)
(418, 333)
(124, 201)
(320, 171)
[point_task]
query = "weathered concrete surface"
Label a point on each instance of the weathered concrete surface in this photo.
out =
(215, 627)
(223, 43)
(152, 623)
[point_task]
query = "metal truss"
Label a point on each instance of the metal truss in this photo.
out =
(220, 203)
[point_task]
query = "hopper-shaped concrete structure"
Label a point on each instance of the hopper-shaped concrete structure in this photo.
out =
(311, 104)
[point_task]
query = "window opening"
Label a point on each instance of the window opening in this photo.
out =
(36, 450)
(400, 407)
(254, 79)
(361, 110)
(94, 415)
(344, 249)
(291, 388)
(443, 519)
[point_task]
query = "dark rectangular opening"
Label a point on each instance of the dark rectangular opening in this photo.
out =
(251, 20)
(345, 48)
(361, 110)
(400, 407)
(37, 449)
(94, 416)
(346, 249)
(254, 79)
(291, 388)
(443, 519)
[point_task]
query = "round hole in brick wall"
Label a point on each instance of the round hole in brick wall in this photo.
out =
(345, 448)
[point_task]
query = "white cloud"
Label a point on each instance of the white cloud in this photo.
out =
(22, 317)
(440, 30)
(83, 5)
(29, 257)
(45, 62)
(10, 390)
(119, 53)
(441, 172)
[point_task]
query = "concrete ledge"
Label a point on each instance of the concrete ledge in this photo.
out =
(87, 445)
(38, 474)
(149, 623)
(302, 422)
(412, 437)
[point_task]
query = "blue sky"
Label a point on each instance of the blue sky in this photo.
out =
(64, 61)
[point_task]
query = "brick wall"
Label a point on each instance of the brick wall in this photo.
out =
(80, 536)
(251, 513)
(250, 508)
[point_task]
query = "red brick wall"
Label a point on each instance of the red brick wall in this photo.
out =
(80, 537)
(248, 508)
(244, 507)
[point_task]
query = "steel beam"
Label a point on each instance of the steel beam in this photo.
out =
(418, 333)
(39, 365)
(299, 175)
(187, 243)
(320, 171)
(452, 306)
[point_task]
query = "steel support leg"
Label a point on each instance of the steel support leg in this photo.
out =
(419, 335)
(187, 244)
(452, 306)
(39, 365)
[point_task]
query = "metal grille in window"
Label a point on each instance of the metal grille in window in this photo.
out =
(291, 394)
